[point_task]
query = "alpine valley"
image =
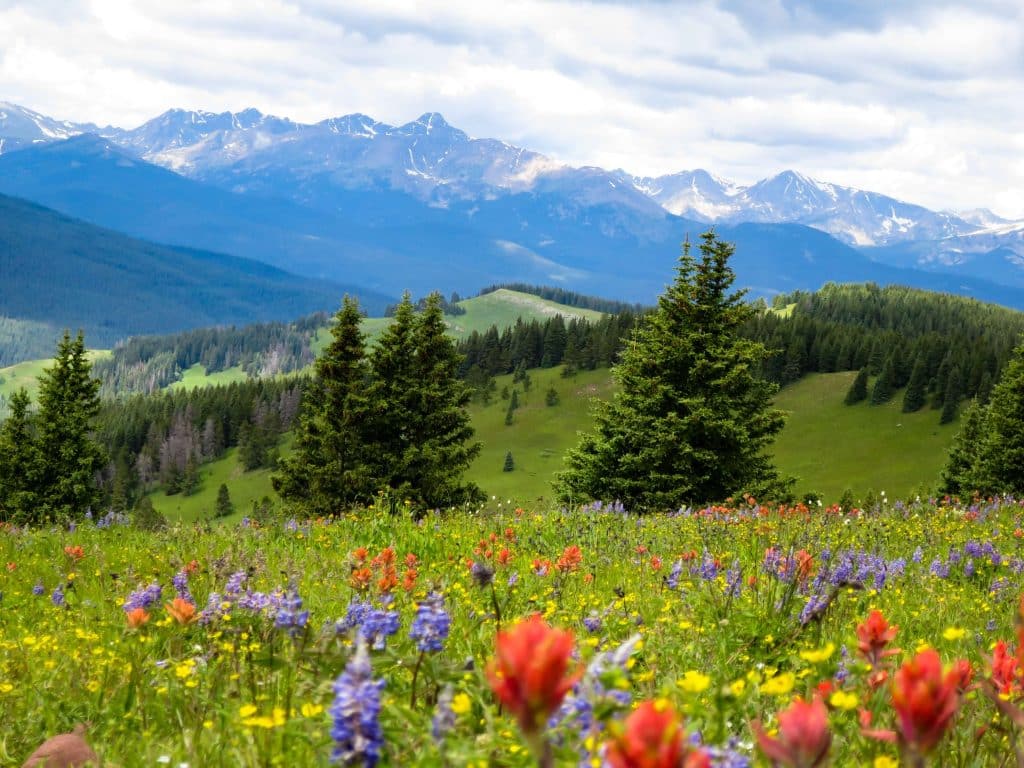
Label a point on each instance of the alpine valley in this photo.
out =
(376, 208)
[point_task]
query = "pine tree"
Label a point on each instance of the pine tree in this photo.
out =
(691, 421)
(961, 475)
(224, 507)
(329, 468)
(882, 391)
(422, 431)
(859, 389)
(951, 400)
(70, 457)
(914, 397)
(1000, 465)
(551, 397)
(510, 463)
(19, 462)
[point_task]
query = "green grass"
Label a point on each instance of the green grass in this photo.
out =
(244, 487)
(826, 445)
(830, 446)
(196, 376)
(539, 435)
(27, 373)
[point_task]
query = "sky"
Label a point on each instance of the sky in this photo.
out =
(920, 99)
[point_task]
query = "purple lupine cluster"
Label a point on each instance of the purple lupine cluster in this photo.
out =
(728, 756)
(214, 610)
(591, 695)
(57, 598)
(708, 569)
(354, 616)
(235, 582)
(180, 582)
(143, 598)
(734, 580)
(842, 668)
(432, 623)
(672, 581)
(593, 623)
(39, 589)
(112, 518)
(374, 625)
(289, 616)
(598, 507)
(443, 721)
(356, 730)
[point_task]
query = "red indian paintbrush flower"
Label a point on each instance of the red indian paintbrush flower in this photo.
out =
(136, 617)
(530, 673)
(182, 610)
(804, 738)
(873, 635)
(653, 738)
(925, 699)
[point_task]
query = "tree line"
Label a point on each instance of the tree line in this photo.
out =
(569, 298)
(943, 348)
(150, 363)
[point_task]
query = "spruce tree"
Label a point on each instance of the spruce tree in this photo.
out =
(1000, 465)
(914, 397)
(962, 473)
(692, 421)
(953, 392)
(223, 507)
(882, 391)
(441, 447)
(510, 463)
(859, 389)
(329, 468)
(70, 457)
(19, 462)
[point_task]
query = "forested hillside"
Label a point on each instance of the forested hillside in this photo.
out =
(70, 274)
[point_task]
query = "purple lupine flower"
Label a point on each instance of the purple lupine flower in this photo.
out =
(918, 555)
(734, 580)
(954, 556)
(38, 589)
(432, 623)
(673, 577)
(969, 568)
(973, 549)
(354, 616)
(235, 582)
(513, 579)
(842, 671)
(358, 737)
(592, 623)
(708, 568)
(443, 721)
(378, 626)
(213, 611)
(290, 615)
(180, 582)
(938, 568)
(57, 598)
(143, 598)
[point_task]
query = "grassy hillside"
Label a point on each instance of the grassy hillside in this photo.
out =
(26, 374)
(830, 446)
(827, 445)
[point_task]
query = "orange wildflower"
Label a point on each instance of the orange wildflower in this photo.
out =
(136, 617)
(182, 610)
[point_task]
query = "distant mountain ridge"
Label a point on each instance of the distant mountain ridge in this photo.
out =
(66, 273)
(391, 207)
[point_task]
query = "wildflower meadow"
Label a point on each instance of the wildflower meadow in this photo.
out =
(740, 635)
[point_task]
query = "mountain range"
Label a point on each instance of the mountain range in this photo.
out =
(423, 206)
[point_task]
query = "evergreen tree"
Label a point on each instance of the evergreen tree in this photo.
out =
(510, 463)
(859, 389)
(882, 391)
(914, 397)
(551, 397)
(329, 468)
(146, 517)
(19, 462)
(1000, 465)
(422, 429)
(961, 473)
(691, 421)
(70, 457)
(224, 507)
(953, 392)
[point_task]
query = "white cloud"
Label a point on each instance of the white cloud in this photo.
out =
(919, 100)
